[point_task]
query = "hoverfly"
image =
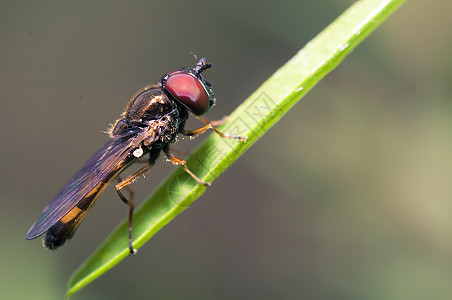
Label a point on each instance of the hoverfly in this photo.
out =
(150, 123)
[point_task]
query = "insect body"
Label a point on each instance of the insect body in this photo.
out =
(150, 124)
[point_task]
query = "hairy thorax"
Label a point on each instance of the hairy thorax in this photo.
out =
(151, 108)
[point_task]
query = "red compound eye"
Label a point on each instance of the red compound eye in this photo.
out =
(189, 91)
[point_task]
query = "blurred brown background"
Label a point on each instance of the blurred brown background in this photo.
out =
(348, 197)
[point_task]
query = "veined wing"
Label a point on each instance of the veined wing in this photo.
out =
(84, 181)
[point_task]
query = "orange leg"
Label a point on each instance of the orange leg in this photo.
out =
(178, 161)
(124, 184)
(210, 126)
(214, 123)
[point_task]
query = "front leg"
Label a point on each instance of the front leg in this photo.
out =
(211, 125)
(215, 122)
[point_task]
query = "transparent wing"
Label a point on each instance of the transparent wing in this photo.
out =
(85, 180)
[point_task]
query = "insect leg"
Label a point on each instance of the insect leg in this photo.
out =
(210, 126)
(178, 161)
(215, 122)
(124, 184)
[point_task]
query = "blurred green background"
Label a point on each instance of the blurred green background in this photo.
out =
(349, 196)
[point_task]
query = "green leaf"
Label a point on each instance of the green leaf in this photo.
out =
(253, 118)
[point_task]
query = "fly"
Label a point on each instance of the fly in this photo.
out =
(151, 122)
